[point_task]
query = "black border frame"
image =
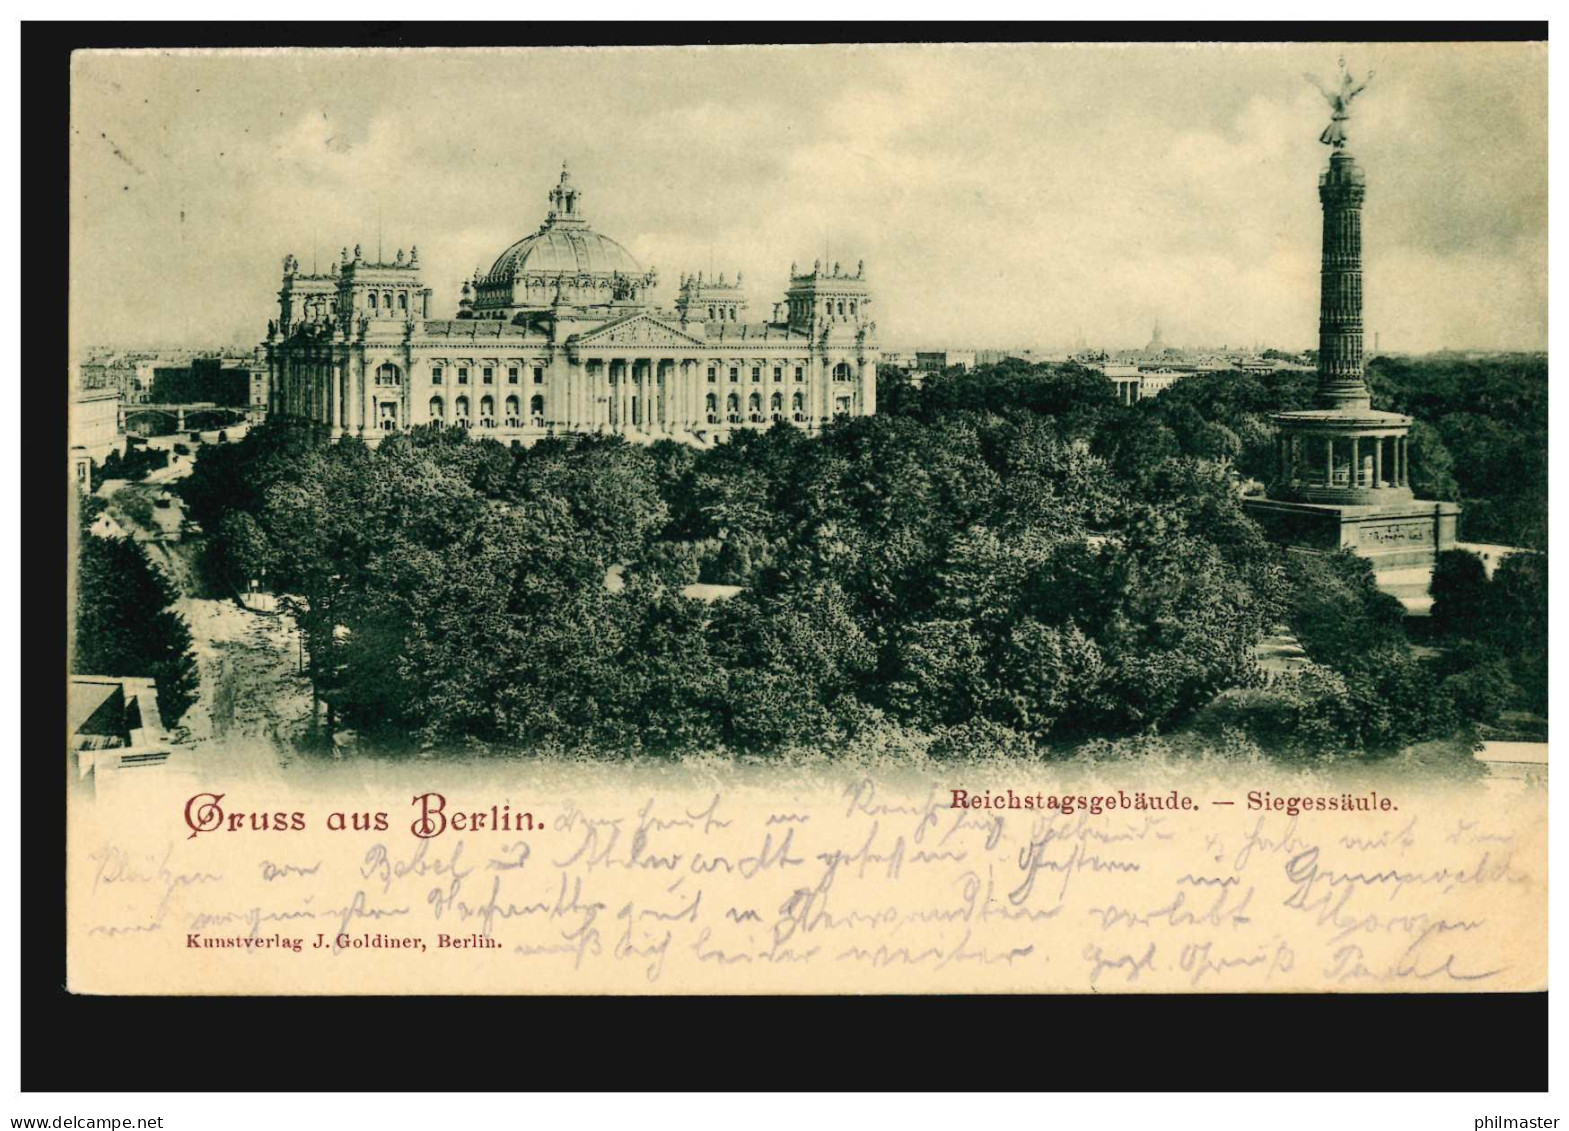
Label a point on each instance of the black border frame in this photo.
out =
(1260, 1042)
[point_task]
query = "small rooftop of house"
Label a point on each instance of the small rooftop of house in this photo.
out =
(93, 704)
(112, 711)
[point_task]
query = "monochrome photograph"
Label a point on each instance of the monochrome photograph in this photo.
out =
(852, 518)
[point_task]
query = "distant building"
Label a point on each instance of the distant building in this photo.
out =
(132, 376)
(1156, 346)
(260, 386)
(1125, 379)
(94, 430)
(940, 361)
(1152, 383)
(1134, 382)
(216, 380)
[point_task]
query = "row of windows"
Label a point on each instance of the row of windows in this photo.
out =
(389, 375)
(754, 408)
(828, 308)
(536, 405)
(387, 412)
(842, 372)
(487, 375)
(754, 403)
(487, 410)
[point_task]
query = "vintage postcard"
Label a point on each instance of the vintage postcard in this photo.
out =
(881, 519)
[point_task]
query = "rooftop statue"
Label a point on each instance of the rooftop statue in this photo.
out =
(1340, 102)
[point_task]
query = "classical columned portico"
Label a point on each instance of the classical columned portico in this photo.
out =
(648, 413)
(335, 402)
(1361, 462)
(362, 374)
(665, 381)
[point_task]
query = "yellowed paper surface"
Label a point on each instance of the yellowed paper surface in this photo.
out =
(768, 880)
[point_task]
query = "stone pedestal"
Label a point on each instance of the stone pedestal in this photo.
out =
(1404, 535)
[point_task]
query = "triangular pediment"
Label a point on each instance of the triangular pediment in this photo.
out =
(639, 329)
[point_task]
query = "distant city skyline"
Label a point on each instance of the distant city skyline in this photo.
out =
(1000, 196)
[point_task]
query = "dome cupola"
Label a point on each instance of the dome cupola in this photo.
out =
(565, 263)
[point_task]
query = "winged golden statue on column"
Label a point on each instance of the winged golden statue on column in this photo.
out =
(1340, 103)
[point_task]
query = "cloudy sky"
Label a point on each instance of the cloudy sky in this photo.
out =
(1000, 196)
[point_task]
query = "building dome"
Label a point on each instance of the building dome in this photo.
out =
(565, 264)
(561, 250)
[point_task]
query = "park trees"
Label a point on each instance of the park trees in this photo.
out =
(1009, 552)
(126, 620)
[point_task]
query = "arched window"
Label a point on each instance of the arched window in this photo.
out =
(842, 371)
(536, 411)
(852, 308)
(403, 300)
(754, 407)
(711, 314)
(389, 374)
(841, 310)
(437, 410)
(514, 412)
(386, 301)
(487, 412)
(797, 406)
(711, 407)
(733, 408)
(373, 300)
(776, 406)
(460, 412)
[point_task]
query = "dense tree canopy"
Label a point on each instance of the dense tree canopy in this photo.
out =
(1009, 552)
(126, 622)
